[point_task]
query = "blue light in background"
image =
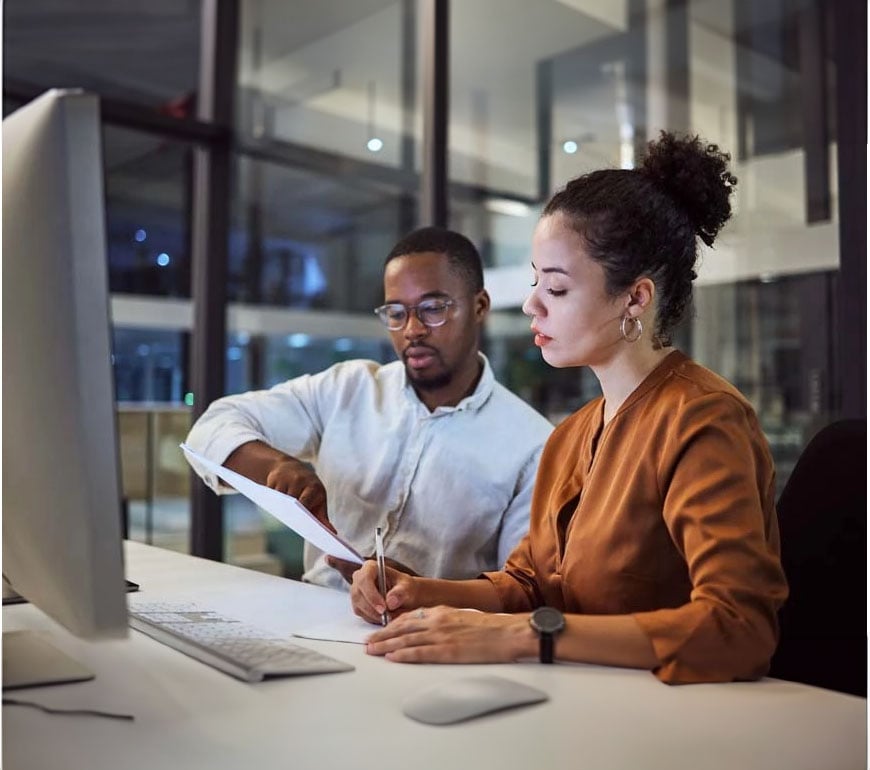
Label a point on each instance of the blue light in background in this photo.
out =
(163, 259)
(298, 340)
(140, 235)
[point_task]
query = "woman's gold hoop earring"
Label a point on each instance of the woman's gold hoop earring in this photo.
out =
(637, 331)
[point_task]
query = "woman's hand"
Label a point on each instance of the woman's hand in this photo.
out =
(366, 599)
(447, 635)
(347, 568)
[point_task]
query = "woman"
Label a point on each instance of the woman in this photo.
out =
(653, 526)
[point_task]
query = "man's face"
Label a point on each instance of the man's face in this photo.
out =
(433, 356)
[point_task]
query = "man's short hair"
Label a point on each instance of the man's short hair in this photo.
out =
(461, 253)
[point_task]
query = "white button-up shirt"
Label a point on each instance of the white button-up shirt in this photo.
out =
(451, 488)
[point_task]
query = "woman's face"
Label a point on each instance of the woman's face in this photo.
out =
(574, 320)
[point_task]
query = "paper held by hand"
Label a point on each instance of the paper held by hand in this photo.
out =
(285, 508)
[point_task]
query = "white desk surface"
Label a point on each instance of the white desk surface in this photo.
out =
(187, 715)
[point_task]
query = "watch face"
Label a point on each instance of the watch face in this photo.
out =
(547, 620)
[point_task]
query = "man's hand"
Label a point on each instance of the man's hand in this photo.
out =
(347, 568)
(266, 465)
(293, 477)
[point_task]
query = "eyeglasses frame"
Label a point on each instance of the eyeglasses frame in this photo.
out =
(448, 303)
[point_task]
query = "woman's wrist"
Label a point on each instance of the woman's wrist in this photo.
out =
(525, 642)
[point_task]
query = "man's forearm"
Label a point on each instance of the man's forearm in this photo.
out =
(254, 460)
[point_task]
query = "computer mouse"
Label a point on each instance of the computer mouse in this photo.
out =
(456, 700)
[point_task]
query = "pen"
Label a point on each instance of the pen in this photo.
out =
(382, 572)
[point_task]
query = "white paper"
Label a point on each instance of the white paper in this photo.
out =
(285, 508)
(350, 628)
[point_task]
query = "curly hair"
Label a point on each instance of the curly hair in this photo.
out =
(645, 221)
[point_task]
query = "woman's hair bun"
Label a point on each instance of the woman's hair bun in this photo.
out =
(696, 177)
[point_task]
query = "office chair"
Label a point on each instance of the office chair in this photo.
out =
(823, 527)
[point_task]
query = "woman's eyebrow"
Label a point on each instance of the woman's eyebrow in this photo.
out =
(560, 270)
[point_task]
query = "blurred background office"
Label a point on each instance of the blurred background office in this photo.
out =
(262, 156)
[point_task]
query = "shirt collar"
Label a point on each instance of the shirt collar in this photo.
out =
(473, 401)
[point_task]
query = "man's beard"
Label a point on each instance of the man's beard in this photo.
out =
(434, 381)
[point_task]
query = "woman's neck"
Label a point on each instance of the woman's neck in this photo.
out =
(620, 377)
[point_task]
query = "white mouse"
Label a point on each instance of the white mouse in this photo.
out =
(472, 696)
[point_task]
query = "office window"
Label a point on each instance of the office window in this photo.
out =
(588, 90)
(146, 53)
(337, 77)
(308, 240)
(148, 183)
(149, 365)
(327, 167)
(292, 355)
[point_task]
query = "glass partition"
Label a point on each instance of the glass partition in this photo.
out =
(148, 188)
(311, 240)
(583, 87)
(326, 152)
(146, 53)
(339, 77)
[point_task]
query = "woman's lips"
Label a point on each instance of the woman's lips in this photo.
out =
(540, 339)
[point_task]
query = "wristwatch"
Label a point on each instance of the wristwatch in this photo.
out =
(547, 622)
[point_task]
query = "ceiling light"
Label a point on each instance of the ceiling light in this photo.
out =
(507, 206)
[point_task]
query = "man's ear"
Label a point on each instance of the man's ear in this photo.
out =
(641, 297)
(482, 304)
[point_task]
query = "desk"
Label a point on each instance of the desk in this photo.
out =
(191, 716)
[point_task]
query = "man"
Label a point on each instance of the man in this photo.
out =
(430, 448)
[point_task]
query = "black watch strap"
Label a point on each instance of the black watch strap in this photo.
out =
(547, 622)
(546, 648)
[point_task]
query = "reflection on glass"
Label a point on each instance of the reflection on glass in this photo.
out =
(147, 182)
(534, 114)
(310, 240)
(338, 78)
(293, 355)
(149, 365)
(144, 53)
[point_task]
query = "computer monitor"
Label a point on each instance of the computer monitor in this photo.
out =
(62, 547)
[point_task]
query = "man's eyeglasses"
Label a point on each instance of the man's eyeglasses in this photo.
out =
(430, 312)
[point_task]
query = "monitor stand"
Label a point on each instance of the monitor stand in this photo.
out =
(10, 595)
(29, 660)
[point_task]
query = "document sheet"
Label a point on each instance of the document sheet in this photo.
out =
(345, 628)
(285, 508)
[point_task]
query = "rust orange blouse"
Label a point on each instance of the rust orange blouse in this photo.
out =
(666, 513)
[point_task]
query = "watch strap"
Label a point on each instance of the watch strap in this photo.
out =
(546, 647)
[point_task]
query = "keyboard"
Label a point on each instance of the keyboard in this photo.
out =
(245, 652)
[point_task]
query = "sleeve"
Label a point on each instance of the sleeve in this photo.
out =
(288, 417)
(515, 521)
(515, 585)
(718, 507)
